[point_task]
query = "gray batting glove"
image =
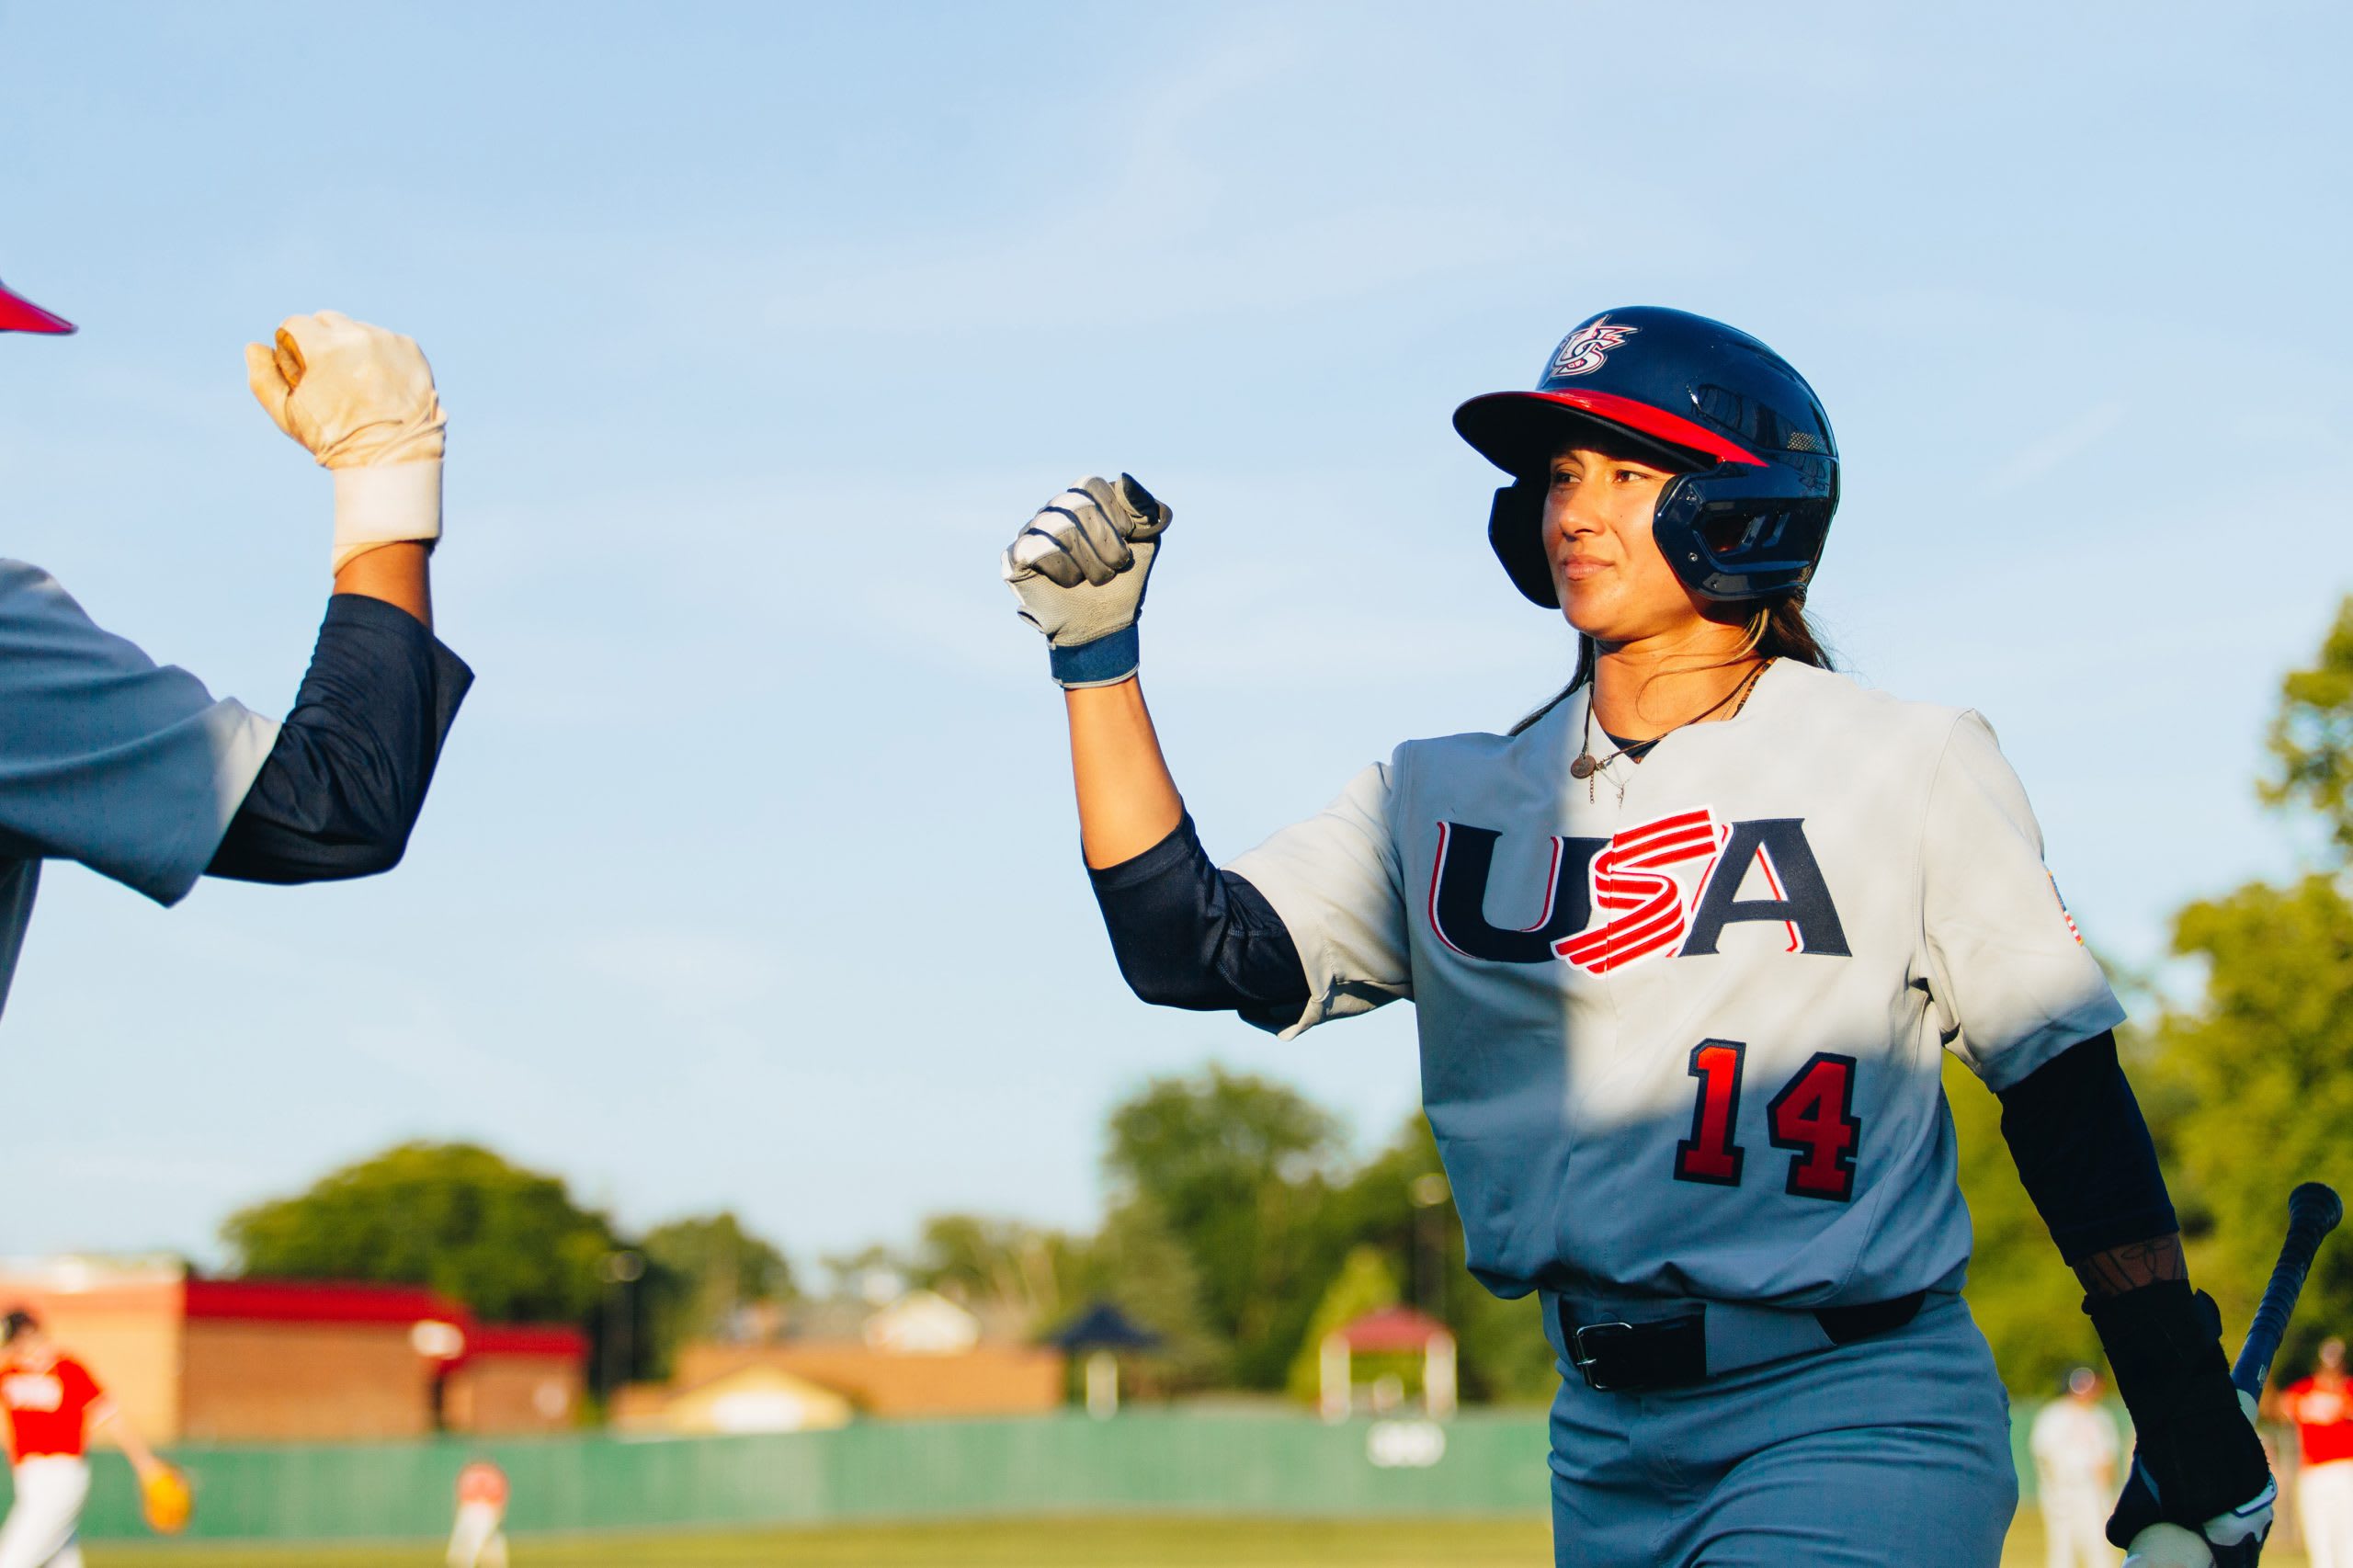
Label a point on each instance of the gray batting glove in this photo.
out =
(1079, 568)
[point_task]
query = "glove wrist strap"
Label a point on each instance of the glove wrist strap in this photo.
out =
(385, 503)
(1107, 661)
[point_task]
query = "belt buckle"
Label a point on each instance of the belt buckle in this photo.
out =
(1583, 1360)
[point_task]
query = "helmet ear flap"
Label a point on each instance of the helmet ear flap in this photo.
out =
(1515, 532)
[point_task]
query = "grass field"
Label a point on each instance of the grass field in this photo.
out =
(1044, 1543)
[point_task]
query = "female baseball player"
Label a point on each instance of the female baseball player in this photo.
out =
(135, 770)
(54, 1407)
(1687, 946)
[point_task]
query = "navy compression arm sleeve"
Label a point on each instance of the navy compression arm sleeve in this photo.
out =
(345, 782)
(1188, 935)
(2084, 1153)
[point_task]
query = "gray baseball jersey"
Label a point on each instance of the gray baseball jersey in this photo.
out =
(106, 757)
(1681, 1024)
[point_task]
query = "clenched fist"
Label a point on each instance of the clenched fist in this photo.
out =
(1079, 569)
(361, 400)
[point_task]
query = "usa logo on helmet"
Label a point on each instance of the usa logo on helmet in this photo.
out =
(1584, 350)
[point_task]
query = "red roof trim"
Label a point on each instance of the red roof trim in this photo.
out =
(393, 1306)
(527, 1339)
(290, 1300)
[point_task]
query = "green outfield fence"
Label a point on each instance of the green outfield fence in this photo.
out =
(1161, 1462)
(1155, 1460)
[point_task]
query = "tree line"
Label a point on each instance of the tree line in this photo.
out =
(1238, 1228)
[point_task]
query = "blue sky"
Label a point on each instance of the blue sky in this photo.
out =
(750, 878)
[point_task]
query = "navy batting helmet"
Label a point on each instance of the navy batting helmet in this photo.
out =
(1756, 470)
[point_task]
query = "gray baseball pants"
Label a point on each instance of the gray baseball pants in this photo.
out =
(1892, 1451)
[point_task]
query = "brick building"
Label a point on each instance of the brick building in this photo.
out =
(215, 1360)
(920, 1356)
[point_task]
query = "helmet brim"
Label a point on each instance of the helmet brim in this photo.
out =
(1521, 431)
(20, 314)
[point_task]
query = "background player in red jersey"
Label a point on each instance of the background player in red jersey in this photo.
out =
(2322, 1407)
(53, 1406)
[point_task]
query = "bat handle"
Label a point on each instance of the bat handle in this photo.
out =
(2314, 1211)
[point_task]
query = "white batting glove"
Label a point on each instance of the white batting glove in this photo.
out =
(361, 400)
(1079, 568)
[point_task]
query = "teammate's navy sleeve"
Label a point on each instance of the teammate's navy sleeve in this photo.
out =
(1188, 935)
(2083, 1152)
(343, 785)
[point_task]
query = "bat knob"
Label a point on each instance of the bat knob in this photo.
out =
(2317, 1203)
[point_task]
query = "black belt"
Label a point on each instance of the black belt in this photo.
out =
(1673, 1352)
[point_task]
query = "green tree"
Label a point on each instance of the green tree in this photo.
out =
(509, 1243)
(2263, 1061)
(699, 1272)
(1400, 1202)
(2255, 1074)
(1138, 1263)
(1236, 1168)
(2311, 736)
(1365, 1283)
(982, 1261)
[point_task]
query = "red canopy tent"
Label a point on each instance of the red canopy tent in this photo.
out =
(1388, 1329)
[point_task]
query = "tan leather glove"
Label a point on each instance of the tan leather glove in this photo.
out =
(361, 400)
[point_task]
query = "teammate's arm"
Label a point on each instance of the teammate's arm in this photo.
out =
(347, 778)
(346, 781)
(401, 575)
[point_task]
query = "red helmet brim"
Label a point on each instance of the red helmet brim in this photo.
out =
(1517, 431)
(20, 314)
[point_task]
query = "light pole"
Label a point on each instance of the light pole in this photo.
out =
(1427, 1192)
(618, 1270)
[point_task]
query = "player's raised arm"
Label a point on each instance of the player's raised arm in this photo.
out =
(1079, 568)
(1186, 935)
(137, 771)
(346, 781)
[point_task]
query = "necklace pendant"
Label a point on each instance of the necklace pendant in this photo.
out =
(1583, 766)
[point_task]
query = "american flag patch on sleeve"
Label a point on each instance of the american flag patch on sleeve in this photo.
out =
(2063, 913)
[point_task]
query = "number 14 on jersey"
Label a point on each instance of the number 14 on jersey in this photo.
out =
(1811, 1117)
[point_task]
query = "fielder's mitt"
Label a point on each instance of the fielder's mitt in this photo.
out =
(164, 1498)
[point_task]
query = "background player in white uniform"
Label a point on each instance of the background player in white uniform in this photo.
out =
(138, 772)
(2075, 1447)
(53, 1407)
(1686, 948)
(477, 1538)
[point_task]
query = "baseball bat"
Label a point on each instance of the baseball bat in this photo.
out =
(2314, 1211)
